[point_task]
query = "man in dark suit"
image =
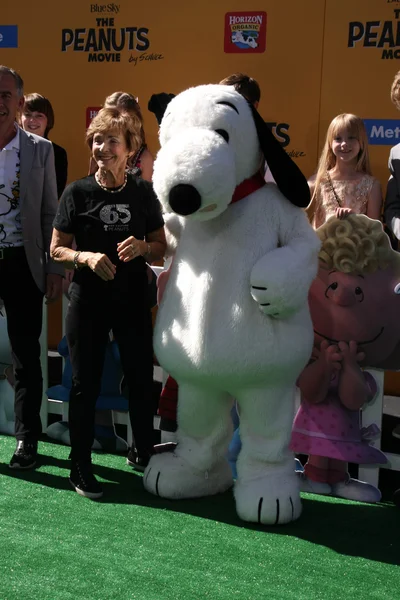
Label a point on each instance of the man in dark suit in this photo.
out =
(28, 203)
(391, 207)
(392, 199)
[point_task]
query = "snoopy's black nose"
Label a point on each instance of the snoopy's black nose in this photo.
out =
(184, 199)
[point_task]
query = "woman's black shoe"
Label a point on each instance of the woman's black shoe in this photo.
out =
(25, 455)
(83, 481)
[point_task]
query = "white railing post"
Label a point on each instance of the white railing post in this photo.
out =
(45, 370)
(372, 413)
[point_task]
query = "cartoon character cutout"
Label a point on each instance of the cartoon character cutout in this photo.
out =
(355, 307)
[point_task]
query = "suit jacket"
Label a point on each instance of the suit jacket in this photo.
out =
(392, 200)
(38, 204)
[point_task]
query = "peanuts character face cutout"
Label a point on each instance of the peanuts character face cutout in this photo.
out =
(356, 294)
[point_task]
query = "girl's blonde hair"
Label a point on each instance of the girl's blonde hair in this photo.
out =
(125, 102)
(356, 244)
(355, 126)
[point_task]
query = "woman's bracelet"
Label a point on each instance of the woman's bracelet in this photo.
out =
(148, 251)
(75, 261)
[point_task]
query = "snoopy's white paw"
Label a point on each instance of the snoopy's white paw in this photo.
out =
(274, 290)
(271, 302)
(268, 501)
(170, 476)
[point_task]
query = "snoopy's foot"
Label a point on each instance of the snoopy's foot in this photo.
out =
(170, 476)
(270, 500)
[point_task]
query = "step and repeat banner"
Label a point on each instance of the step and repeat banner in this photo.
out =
(313, 59)
(78, 52)
(361, 55)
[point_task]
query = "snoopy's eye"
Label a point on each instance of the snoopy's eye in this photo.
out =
(223, 134)
(397, 289)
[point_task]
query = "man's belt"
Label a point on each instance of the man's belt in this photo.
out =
(11, 252)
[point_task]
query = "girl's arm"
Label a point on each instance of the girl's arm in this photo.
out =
(375, 202)
(146, 165)
(311, 185)
(92, 166)
(310, 210)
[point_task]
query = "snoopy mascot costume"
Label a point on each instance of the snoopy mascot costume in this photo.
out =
(234, 320)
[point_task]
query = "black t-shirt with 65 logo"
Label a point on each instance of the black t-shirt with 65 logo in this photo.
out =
(99, 219)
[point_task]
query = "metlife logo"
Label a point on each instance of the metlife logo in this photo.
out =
(8, 36)
(383, 132)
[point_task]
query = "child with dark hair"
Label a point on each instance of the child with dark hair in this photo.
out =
(280, 168)
(244, 85)
(38, 117)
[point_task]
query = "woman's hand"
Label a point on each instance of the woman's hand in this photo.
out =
(101, 265)
(341, 213)
(131, 248)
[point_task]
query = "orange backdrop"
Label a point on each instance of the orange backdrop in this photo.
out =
(313, 59)
(166, 47)
(359, 41)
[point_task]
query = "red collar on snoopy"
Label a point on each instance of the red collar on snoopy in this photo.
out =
(247, 187)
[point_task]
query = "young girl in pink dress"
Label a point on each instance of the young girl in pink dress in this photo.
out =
(343, 183)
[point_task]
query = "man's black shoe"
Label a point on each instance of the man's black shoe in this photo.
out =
(25, 455)
(83, 481)
(138, 459)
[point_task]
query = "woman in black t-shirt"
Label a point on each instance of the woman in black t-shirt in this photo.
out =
(117, 225)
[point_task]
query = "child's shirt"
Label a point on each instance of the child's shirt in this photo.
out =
(351, 194)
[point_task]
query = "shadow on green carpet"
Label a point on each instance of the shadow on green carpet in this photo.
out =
(348, 528)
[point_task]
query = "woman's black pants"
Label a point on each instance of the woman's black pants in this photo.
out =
(123, 307)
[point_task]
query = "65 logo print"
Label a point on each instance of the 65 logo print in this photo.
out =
(115, 217)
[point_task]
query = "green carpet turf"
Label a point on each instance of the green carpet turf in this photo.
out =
(56, 545)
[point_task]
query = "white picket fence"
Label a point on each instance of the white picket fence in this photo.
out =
(372, 413)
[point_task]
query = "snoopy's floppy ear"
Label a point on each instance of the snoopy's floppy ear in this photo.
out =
(158, 103)
(289, 179)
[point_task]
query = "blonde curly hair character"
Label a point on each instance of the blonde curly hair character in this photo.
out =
(356, 244)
